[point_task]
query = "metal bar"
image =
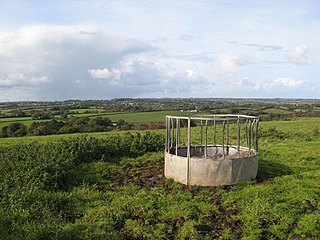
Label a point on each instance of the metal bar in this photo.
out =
(247, 137)
(223, 126)
(229, 115)
(201, 132)
(252, 133)
(172, 133)
(177, 135)
(257, 133)
(227, 135)
(217, 117)
(188, 152)
(206, 140)
(169, 137)
(166, 143)
(214, 133)
(249, 134)
(239, 131)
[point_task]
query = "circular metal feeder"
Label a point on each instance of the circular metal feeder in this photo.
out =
(206, 150)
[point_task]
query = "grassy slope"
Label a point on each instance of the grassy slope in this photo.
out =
(52, 138)
(283, 204)
(298, 126)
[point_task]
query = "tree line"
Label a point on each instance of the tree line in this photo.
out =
(71, 125)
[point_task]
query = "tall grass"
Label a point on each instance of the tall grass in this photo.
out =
(90, 188)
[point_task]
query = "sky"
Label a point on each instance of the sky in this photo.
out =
(72, 49)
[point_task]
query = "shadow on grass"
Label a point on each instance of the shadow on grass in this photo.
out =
(269, 169)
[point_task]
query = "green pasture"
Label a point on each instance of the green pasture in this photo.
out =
(25, 120)
(300, 127)
(148, 117)
(5, 110)
(55, 138)
(82, 110)
(135, 117)
(139, 117)
(70, 187)
(277, 111)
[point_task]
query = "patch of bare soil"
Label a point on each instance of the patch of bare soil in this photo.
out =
(149, 175)
(264, 181)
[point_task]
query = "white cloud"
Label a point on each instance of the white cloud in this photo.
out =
(298, 54)
(65, 54)
(192, 74)
(228, 62)
(105, 73)
(246, 83)
(112, 56)
(187, 37)
(142, 72)
(20, 80)
(287, 82)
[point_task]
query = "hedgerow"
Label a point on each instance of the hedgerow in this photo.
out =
(35, 179)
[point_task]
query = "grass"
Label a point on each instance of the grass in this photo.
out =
(134, 117)
(81, 110)
(148, 117)
(126, 199)
(303, 127)
(277, 111)
(25, 120)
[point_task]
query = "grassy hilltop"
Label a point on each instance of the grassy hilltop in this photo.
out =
(111, 186)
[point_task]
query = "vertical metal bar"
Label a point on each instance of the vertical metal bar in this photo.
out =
(249, 134)
(201, 132)
(239, 131)
(252, 133)
(169, 137)
(214, 132)
(177, 134)
(247, 137)
(172, 140)
(223, 126)
(166, 144)
(206, 140)
(188, 152)
(257, 133)
(227, 134)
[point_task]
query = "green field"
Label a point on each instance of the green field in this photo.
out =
(25, 120)
(55, 138)
(277, 111)
(298, 126)
(68, 187)
(141, 117)
(149, 117)
(134, 117)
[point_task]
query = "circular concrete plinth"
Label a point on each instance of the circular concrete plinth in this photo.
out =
(217, 168)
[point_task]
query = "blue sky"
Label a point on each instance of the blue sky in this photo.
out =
(56, 50)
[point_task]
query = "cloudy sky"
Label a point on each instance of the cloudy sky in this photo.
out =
(57, 50)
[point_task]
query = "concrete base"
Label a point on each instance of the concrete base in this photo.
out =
(213, 170)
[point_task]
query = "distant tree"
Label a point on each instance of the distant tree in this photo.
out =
(45, 128)
(99, 121)
(68, 129)
(14, 130)
(121, 122)
(17, 113)
(42, 115)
